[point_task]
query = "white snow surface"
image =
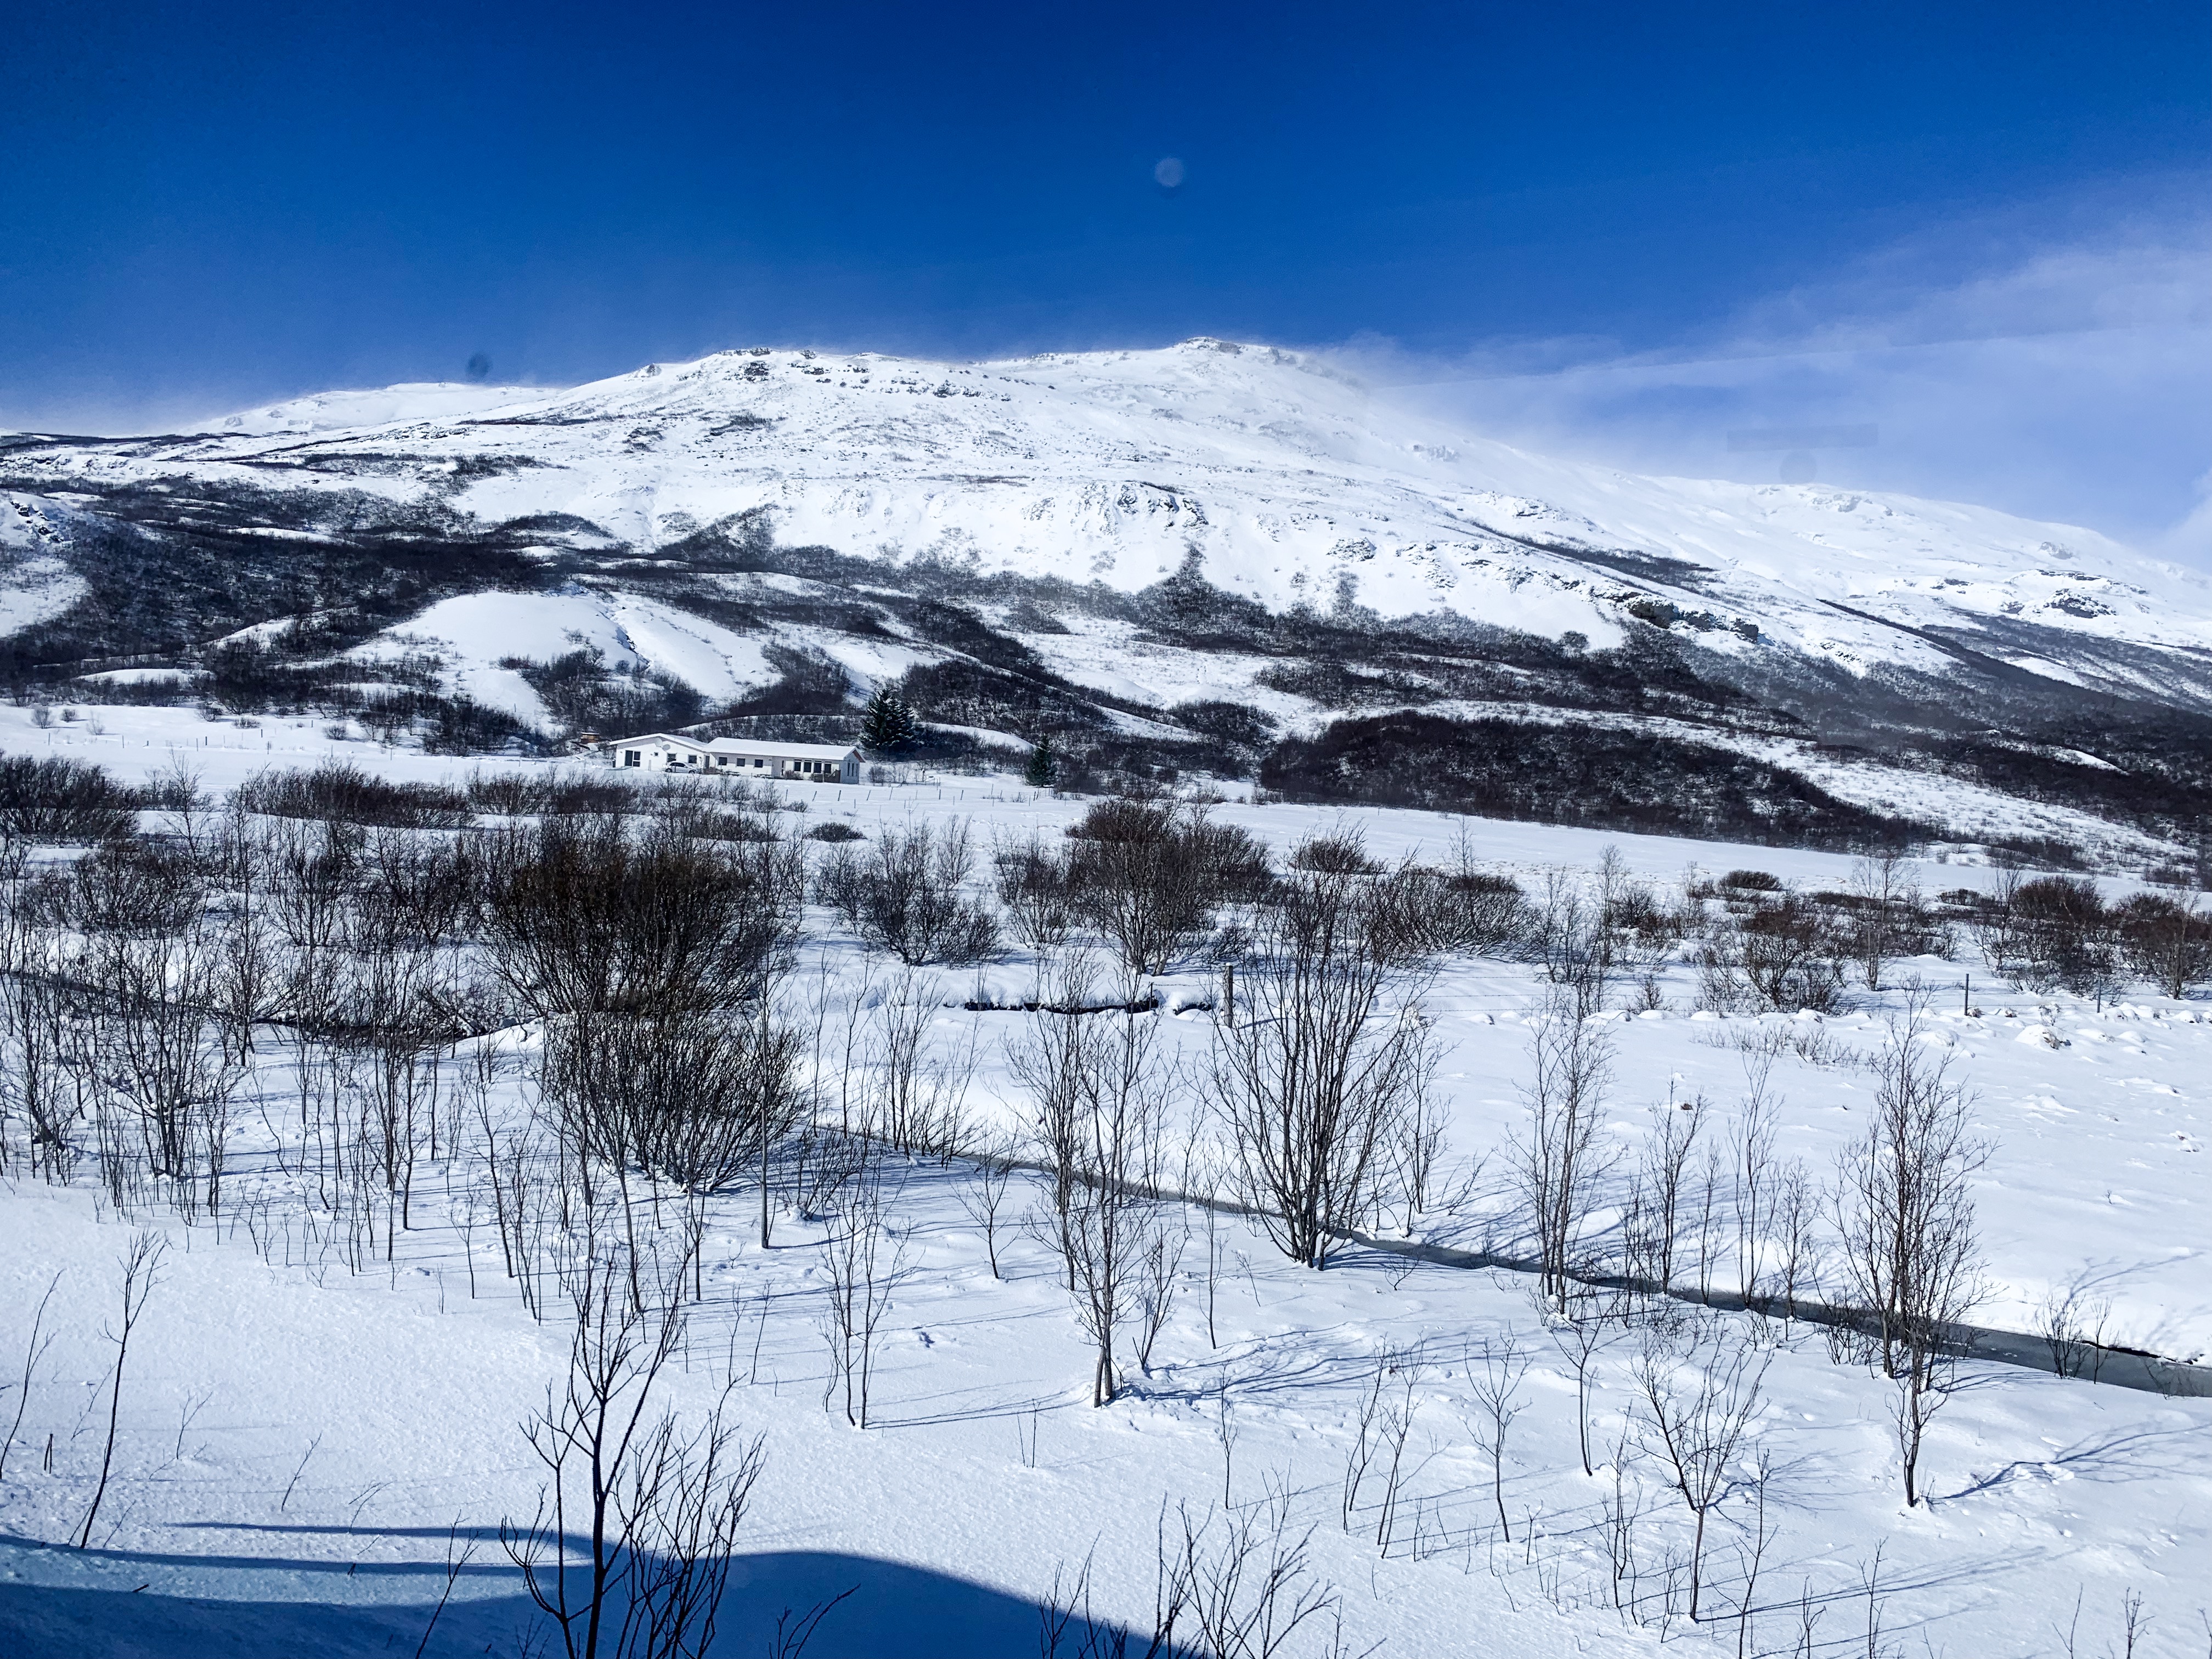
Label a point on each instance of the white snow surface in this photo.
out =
(473, 635)
(1287, 481)
(295, 1441)
(35, 581)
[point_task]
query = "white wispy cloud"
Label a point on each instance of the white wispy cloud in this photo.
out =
(2070, 381)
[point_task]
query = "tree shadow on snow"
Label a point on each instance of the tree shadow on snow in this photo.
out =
(62, 1603)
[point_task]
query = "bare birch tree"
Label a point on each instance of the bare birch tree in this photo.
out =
(141, 1272)
(1662, 1191)
(1313, 1082)
(1694, 1406)
(1102, 1098)
(628, 1551)
(1905, 1211)
(1494, 1375)
(866, 1265)
(1558, 1158)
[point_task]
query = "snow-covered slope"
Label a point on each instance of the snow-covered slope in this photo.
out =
(1290, 482)
(342, 411)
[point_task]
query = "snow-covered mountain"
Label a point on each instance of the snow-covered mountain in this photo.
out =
(1291, 482)
(1245, 473)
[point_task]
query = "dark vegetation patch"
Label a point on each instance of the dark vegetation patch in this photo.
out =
(2164, 786)
(344, 792)
(580, 692)
(538, 793)
(1235, 725)
(166, 573)
(1637, 781)
(62, 800)
(807, 683)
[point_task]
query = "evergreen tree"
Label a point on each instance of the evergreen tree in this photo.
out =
(888, 727)
(1044, 763)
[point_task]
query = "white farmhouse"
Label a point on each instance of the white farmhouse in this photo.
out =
(740, 758)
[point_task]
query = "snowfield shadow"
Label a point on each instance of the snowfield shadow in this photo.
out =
(60, 1603)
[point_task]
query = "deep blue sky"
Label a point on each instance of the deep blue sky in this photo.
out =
(202, 205)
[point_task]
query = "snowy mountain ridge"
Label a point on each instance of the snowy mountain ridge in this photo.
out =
(1289, 482)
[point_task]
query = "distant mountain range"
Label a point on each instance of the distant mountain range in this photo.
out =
(1213, 558)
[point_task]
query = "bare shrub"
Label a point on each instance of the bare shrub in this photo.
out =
(142, 1271)
(38, 1082)
(161, 1059)
(1414, 1151)
(392, 1010)
(1566, 938)
(1754, 1180)
(341, 790)
(131, 887)
(1480, 913)
(35, 1350)
(1738, 882)
(1033, 892)
(1660, 1194)
(1790, 955)
(983, 1194)
(629, 1550)
(1885, 917)
(914, 1093)
(1343, 853)
(583, 917)
(1235, 1585)
(905, 893)
(695, 1098)
(1247, 1589)
(1580, 1338)
(2070, 1319)
(1796, 1213)
(2167, 941)
(1493, 1374)
(1150, 877)
(866, 1265)
(59, 799)
(1590, 936)
(2055, 931)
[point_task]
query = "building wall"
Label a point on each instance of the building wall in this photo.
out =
(667, 758)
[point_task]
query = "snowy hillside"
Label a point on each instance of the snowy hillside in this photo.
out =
(1292, 484)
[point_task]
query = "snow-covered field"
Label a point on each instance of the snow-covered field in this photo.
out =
(301, 1449)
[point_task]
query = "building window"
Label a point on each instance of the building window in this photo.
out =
(631, 757)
